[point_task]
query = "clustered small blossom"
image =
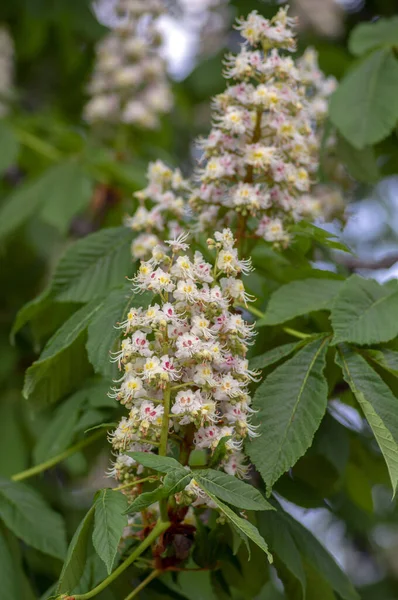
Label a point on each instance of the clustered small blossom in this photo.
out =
(129, 83)
(189, 345)
(161, 211)
(261, 155)
(6, 70)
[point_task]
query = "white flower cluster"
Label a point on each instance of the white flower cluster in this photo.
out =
(6, 70)
(261, 155)
(129, 83)
(161, 209)
(183, 360)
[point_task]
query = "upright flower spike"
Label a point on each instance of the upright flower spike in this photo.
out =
(6, 70)
(183, 358)
(161, 211)
(261, 156)
(129, 84)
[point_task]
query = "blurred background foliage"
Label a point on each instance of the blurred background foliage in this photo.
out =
(65, 181)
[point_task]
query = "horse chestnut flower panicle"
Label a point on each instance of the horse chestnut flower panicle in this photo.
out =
(129, 84)
(189, 347)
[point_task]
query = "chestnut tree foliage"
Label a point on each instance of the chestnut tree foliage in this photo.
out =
(182, 379)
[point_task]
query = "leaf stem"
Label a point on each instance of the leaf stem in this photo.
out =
(251, 309)
(297, 334)
(51, 462)
(143, 584)
(38, 145)
(133, 483)
(159, 528)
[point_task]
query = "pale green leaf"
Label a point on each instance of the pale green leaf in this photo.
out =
(364, 108)
(243, 525)
(163, 464)
(291, 403)
(365, 312)
(367, 36)
(231, 490)
(298, 298)
(378, 403)
(76, 556)
(109, 523)
(27, 515)
(94, 265)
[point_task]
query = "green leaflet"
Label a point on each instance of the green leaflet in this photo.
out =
(245, 527)
(109, 523)
(76, 556)
(163, 464)
(9, 146)
(63, 362)
(300, 297)
(231, 490)
(364, 108)
(365, 312)
(10, 571)
(26, 514)
(174, 482)
(367, 36)
(386, 358)
(290, 403)
(378, 404)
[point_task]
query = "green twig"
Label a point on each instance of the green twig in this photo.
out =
(143, 584)
(159, 528)
(57, 459)
(133, 483)
(297, 334)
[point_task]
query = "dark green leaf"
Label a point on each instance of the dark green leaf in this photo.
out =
(299, 298)
(231, 490)
(109, 523)
(10, 572)
(174, 482)
(290, 403)
(365, 312)
(76, 556)
(9, 147)
(27, 515)
(388, 359)
(361, 164)
(378, 404)
(364, 108)
(273, 356)
(219, 452)
(163, 464)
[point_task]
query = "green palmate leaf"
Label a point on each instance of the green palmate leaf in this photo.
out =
(279, 525)
(60, 432)
(275, 355)
(367, 36)
(173, 483)
(76, 556)
(299, 298)
(46, 195)
(231, 490)
(290, 403)
(244, 526)
(388, 359)
(94, 265)
(73, 194)
(27, 515)
(365, 312)
(10, 572)
(63, 362)
(364, 108)
(361, 164)
(9, 147)
(163, 464)
(378, 404)
(103, 336)
(109, 523)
